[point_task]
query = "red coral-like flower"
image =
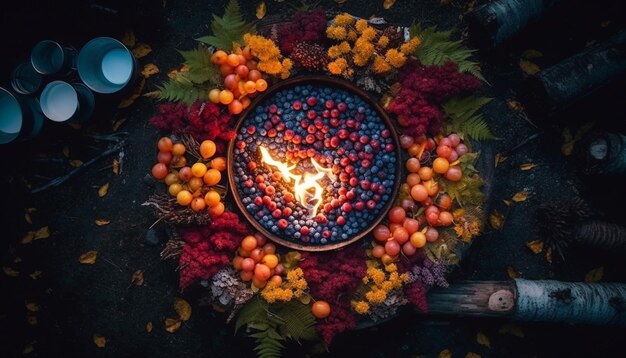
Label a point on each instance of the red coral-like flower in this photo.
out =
(306, 26)
(416, 294)
(209, 248)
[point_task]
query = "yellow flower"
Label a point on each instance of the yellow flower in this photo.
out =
(368, 34)
(391, 268)
(287, 64)
(271, 67)
(336, 67)
(336, 33)
(344, 19)
(347, 73)
(352, 35)
(387, 286)
(383, 41)
(376, 296)
(395, 58)
(377, 275)
(344, 47)
(365, 280)
(380, 65)
(360, 307)
(361, 25)
(334, 51)
(410, 46)
(263, 48)
(404, 277)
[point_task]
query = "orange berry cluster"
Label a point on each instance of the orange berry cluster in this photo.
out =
(258, 262)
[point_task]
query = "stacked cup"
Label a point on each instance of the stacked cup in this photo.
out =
(104, 65)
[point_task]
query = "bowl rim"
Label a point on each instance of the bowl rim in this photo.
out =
(305, 80)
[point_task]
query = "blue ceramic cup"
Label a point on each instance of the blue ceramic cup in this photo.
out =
(64, 102)
(105, 65)
(20, 117)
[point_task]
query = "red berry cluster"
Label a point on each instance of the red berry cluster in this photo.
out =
(307, 26)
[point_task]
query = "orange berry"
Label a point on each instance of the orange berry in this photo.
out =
(431, 187)
(195, 184)
(275, 280)
(226, 97)
(235, 107)
(413, 165)
(165, 145)
(171, 178)
(178, 149)
(418, 239)
(413, 179)
(249, 86)
(320, 309)
(217, 210)
(207, 149)
(212, 177)
(159, 171)
(178, 162)
(233, 60)
(258, 283)
(270, 260)
(198, 170)
(254, 75)
(257, 254)
(219, 57)
(249, 243)
(184, 197)
(174, 189)
(197, 204)
(212, 198)
(413, 150)
(218, 163)
(425, 173)
(214, 95)
(245, 102)
(441, 165)
(262, 272)
(246, 275)
(419, 192)
(246, 52)
(237, 262)
(226, 69)
(261, 85)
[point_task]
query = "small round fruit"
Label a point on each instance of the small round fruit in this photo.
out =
(406, 141)
(198, 170)
(207, 149)
(257, 254)
(414, 150)
(242, 71)
(198, 204)
(254, 75)
(212, 198)
(249, 86)
(165, 144)
(165, 157)
(226, 96)
(454, 173)
(178, 149)
(397, 215)
(218, 163)
(212, 177)
(246, 52)
(219, 57)
(237, 262)
(443, 201)
(455, 139)
(461, 149)
(440, 165)
(249, 243)
(418, 240)
(174, 189)
(413, 179)
(226, 69)
(270, 260)
(432, 234)
(232, 60)
(262, 272)
(431, 187)
(425, 173)
(248, 264)
(217, 210)
(184, 197)
(178, 162)
(378, 251)
(444, 151)
(258, 283)
(392, 247)
(386, 259)
(269, 248)
(411, 225)
(261, 85)
(413, 165)
(445, 218)
(171, 178)
(401, 235)
(159, 171)
(408, 249)
(320, 309)
(382, 233)
(246, 275)
(230, 81)
(214, 95)
(275, 280)
(185, 174)
(260, 239)
(235, 107)
(419, 192)
(195, 184)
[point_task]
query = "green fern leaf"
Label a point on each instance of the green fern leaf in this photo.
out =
(228, 29)
(201, 69)
(268, 343)
(436, 48)
(466, 119)
(180, 91)
(255, 311)
(299, 323)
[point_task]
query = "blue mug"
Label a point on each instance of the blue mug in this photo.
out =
(64, 102)
(105, 65)
(20, 117)
(25, 79)
(50, 58)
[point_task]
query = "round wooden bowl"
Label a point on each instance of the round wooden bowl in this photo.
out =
(332, 82)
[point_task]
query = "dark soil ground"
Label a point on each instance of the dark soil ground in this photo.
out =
(77, 300)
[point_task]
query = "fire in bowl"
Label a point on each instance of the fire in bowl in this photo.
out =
(314, 165)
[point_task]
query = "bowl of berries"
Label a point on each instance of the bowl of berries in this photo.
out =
(315, 163)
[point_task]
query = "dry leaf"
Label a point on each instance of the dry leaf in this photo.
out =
(305, 299)
(141, 50)
(569, 141)
(28, 237)
(483, 340)
(512, 330)
(513, 273)
(531, 54)
(515, 105)
(129, 39)
(99, 340)
(499, 159)
(30, 348)
(472, 355)
(149, 327)
(595, 275)
(10, 272)
(31, 319)
(103, 190)
(261, 9)
(102, 222)
(149, 70)
(507, 202)
(536, 246)
(32, 306)
(88, 258)
(136, 94)
(31, 210)
(496, 219)
(76, 163)
(172, 325)
(116, 167)
(28, 218)
(527, 166)
(445, 354)
(340, 1)
(35, 275)
(183, 309)
(388, 4)
(42, 233)
(118, 123)
(519, 197)
(137, 278)
(528, 67)
(549, 255)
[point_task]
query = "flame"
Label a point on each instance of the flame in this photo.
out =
(307, 187)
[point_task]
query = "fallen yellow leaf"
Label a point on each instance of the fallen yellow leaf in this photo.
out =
(35, 275)
(136, 94)
(496, 219)
(17, 260)
(10, 272)
(31, 319)
(483, 340)
(531, 54)
(261, 9)
(149, 327)
(513, 273)
(42, 233)
(99, 340)
(102, 222)
(519, 197)
(507, 202)
(514, 105)
(32, 306)
(527, 166)
(569, 141)
(137, 278)
(499, 159)
(118, 123)
(66, 151)
(172, 325)
(103, 190)
(445, 354)
(536, 246)
(30, 348)
(76, 163)
(141, 50)
(183, 309)
(28, 218)
(28, 237)
(595, 275)
(528, 67)
(88, 258)
(388, 4)
(512, 330)
(116, 167)
(149, 70)
(129, 39)
(472, 355)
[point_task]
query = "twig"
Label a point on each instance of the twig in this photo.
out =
(62, 179)
(523, 143)
(112, 264)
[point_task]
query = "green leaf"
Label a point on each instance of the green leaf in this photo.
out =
(180, 91)
(467, 121)
(228, 29)
(299, 322)
(255, 311)
(201, 69)
(467, 190)
(436, 48)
